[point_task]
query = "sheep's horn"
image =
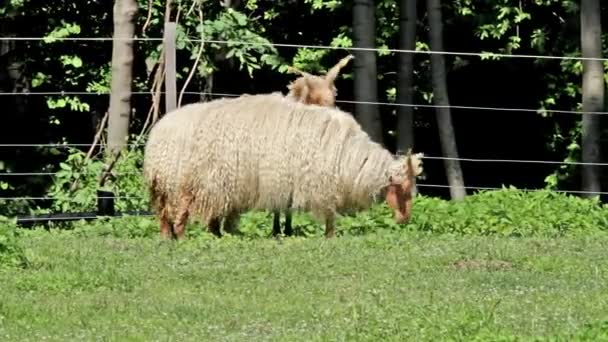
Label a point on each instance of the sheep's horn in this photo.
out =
(293, 70)
(333, 72)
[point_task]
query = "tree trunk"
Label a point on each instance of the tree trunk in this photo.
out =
(366, 81)
(122, 62)
(593, 93)
(440, 96)
(405, 76)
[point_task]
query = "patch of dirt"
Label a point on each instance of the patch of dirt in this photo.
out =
(483, 264)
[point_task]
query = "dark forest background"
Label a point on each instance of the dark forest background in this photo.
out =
(237, 59)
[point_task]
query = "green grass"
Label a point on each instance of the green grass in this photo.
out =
(376, 287)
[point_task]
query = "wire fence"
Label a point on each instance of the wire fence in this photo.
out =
(420, 185)
(79, 217)
(288, 45)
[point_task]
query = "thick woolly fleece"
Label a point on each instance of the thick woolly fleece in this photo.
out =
(265, 152)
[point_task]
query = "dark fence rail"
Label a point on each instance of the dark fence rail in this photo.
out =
(105, 208)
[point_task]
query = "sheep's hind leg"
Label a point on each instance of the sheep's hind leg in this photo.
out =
(166, 228)
(213, 226)
(330, 228)
(182, 216)
(231, 223)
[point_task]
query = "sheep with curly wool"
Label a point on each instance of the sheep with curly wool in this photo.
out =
(228, 156)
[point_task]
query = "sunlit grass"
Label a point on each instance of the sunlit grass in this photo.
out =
(379, 286)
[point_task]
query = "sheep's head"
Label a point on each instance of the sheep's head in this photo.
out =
(314, 89)
(402, 178)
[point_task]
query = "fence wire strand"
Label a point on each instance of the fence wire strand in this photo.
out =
(484, 54)
(472, 160)
(378, 103)
(423, 185)
(50, 198)
(76, 218)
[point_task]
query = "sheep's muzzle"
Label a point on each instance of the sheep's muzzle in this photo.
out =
(400, 201)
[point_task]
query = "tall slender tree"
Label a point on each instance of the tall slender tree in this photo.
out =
(593, 93)
(405, 75)
(122, 74)
(441, 98)
(366, 75)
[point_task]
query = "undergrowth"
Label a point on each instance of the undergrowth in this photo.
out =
(507, 212)
(12, 253)
(512, 212)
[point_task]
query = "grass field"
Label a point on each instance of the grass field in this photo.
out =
(375, 287)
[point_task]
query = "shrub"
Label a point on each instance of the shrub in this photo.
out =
(506, 212)
(12, 253)
(127, 184)
(121, 227)
(511, 212)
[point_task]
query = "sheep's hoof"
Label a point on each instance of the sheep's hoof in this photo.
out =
(166, 235)
(279, 238)
(217, 234)
(166, 231)
(235, 232)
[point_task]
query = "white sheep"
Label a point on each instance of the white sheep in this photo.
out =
(217, 159)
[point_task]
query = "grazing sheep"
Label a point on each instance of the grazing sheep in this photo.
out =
(217, 159)
(309, 89)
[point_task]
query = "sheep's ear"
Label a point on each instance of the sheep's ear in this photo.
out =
(408, 165)
(299, 89)
(414, 164)
(332, 74)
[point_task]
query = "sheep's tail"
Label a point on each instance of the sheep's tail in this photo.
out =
(158, 198)
(294, 70)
